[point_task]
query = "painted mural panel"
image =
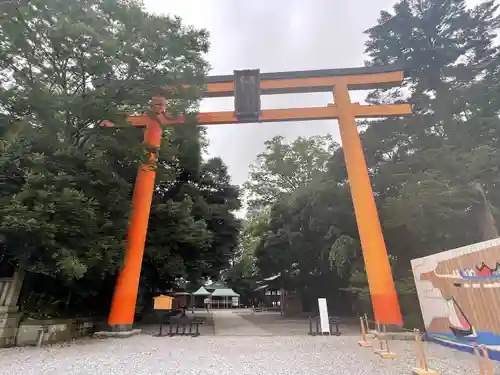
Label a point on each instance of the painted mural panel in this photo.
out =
(459, 295)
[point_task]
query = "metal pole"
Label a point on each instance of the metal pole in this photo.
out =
(386, 340)
(380, 332)
(162, 318)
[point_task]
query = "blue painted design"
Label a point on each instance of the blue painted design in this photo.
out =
(486, 338)
(482, 337)
(479, 277)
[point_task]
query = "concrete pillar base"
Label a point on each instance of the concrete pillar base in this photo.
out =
(117, 333)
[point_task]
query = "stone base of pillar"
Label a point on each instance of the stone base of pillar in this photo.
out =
(116, 332)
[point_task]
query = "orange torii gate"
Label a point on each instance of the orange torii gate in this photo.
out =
(247, 86)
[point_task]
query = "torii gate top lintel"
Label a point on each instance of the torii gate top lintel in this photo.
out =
(247, 86)
(305, 81)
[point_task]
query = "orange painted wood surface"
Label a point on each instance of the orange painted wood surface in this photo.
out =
(276, 115)
(127, 285)
(378, 270)
(352, 81)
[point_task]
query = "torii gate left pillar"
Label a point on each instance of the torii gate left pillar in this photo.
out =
(121, 317)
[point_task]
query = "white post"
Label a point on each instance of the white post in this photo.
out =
(323, 315)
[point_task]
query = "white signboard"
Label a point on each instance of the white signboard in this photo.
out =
(235, 301)
(323, 315)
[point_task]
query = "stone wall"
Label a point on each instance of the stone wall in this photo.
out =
(52, 330)
(10, 287)
(13, 331)
(9, 321)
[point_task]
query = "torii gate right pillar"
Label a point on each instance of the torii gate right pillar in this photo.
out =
(382, 289)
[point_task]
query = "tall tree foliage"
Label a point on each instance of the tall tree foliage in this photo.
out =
(429, 171)
(450, 143)
(66, 184)
(283, 168)
(242, 275)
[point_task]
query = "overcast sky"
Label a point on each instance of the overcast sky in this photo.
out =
(275, 35)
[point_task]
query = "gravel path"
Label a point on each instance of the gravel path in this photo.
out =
(241, 346)
(266, 355)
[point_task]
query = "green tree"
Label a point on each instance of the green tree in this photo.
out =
(242, 275)
(252, 229)
(218, 202)
(66, 184)
(295, 234)
(428, 163)
(282, 168)
(428, 170)
(302, 242)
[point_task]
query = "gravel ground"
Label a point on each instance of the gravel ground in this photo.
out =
(286, 326)
(269, 355)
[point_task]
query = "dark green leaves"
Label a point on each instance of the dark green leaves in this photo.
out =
(66, 184)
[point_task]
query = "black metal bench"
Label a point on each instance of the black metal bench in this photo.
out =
(181, 325)
(332, 321)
